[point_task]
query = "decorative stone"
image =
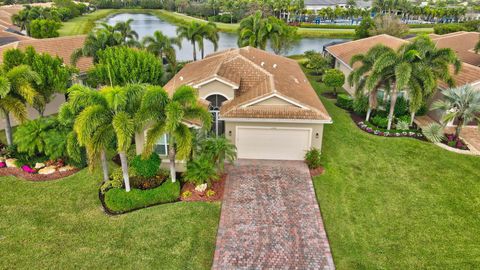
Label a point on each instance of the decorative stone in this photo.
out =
(47, 170)
(201, 188)
(39, 165)
(11, 162)
(66, 168)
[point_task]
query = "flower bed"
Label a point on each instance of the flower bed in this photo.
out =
(117, 201)
(453, 142)
(17, 172)
(392, 133)
(192, 194)
(316, 172)
(42, 172)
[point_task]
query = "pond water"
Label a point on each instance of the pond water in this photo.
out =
(146, 24)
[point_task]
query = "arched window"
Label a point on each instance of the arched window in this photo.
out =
(216, 101)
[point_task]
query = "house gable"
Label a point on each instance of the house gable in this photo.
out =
(216, 87)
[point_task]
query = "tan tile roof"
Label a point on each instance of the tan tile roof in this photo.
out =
(345, 51)
(462, 43)
(256, 74)
(62, 47)
(468, 74)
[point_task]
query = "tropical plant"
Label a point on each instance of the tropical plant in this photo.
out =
(123, 65)
(44, 28)
(362, 30)
(283, 40)
(166, 115)
(415, 67)
(434, 132)
(192, 33)
(201, 170)
(163, 47)
(208, 32)
(108, 117)
(477, 47)
(333, 78)
(16, 90)
(255, 31)
(128, 36)
(402, 125)
(54, 76)
(146, 167)
(387, 24)
(461, 104)
(317, 62)
(219, 149)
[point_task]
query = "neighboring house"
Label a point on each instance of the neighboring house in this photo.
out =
(62, 47)
(461, 42)
(261, 102)
(316, 5)
(7, 37)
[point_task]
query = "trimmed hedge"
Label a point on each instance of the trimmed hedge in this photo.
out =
(345, 101)
(117, 200)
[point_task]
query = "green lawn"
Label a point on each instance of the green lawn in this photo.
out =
(397, 203)
(82, 25)
(60, 225)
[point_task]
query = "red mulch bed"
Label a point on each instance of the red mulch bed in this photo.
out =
(18, 172)
(217, 186)
(316, 172)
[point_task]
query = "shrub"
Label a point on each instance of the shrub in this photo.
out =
(114, 183)
(200, 171)
(118, 200)
(333, 78)
(147, 183)
(312, 158)
(402, 125)
(434, 133)
(345, 101)
(44, 28)
(210, 193)
(360, 105)
(404, 118)
(441, 29)
(423, 110)
(148, 167)
(187, 194)
(401, 107)
(379, 121)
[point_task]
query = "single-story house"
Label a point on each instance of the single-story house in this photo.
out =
(316, 5)
(261, 102)
(462, 43)
(62, 47)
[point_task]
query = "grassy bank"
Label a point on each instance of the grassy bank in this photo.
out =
(60, 225)
(82, 25)
(396, 203)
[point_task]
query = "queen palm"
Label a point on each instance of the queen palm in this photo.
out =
(359, 76)
(209, 32)
(110, 118)
(16, 90)
(166, 115)
(415, 67)
(192, 33)
(461, 104)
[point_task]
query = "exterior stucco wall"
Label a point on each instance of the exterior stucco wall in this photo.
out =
(216, 87)
(346, 71)
(231, 127)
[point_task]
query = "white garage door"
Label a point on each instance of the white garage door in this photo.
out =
(272, 143)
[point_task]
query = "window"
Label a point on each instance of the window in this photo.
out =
(161, 146)
(216, 101)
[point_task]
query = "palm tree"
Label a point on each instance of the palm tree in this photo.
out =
(415, 67)
(110, 118)
(163, 47)
(209, 32)
(359, 76)
(97, 41)
(461, 104)
(219, 149)
(253, 31)
(166, 115)
(477, 47)
(192, 33)
(124, 28)
(16, 90)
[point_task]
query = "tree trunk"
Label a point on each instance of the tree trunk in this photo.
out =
(393, 100)
(126, 179)
(103, 158)
(203, 51)
(412, 117)
(8, 128)
(367, 118)
(194, 51)
(171, 156)
(458, 129)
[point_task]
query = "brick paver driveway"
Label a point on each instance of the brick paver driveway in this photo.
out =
(270, 219)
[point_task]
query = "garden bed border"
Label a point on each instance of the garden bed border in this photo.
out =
(19, 173)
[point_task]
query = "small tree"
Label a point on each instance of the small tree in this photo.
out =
(317, 62)
(389, 25)
(44, 28)
(334, 78)
(362, 30)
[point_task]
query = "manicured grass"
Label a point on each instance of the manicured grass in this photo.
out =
(83, 24)
(60, 225)
(396, 203)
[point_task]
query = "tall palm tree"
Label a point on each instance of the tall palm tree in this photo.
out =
(415, 67)
(461, 104)
(167, 115)
(16, 90)
(161, 45)
(209, 32)
(253, 31)
(192, 33)
(359, 76)
(110, 117)
(125, 30)
(95, 42)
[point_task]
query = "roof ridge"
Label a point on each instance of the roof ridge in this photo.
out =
(270, 75)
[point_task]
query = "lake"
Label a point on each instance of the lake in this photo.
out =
(146, 24)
